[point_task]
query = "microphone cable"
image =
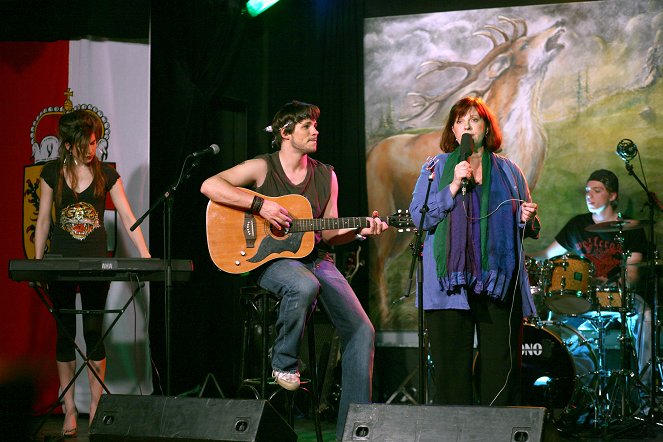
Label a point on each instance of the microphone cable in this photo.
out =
(513, 295)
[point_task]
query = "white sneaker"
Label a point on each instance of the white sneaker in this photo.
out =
(289, 381)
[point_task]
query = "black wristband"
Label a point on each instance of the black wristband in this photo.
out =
(256, 204)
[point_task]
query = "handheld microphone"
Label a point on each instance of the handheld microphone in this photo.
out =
(627, 150)
(211, 150)
(466, 149)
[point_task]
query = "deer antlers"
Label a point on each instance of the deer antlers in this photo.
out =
(426, 106)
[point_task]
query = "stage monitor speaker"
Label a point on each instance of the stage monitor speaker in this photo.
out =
(435, 423)
(187, 419)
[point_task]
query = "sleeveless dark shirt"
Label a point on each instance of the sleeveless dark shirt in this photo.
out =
(316, 186)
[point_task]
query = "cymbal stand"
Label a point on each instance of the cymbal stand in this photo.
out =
(624, 385)
(656, 373)
(627, 153)
(594, 390)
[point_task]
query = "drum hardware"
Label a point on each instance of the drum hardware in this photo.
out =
(614, 396)
(655, 414)
(535, 275)
(593, 400)
(627, 150)
(656, 263)
(604, 397)
(626, 384)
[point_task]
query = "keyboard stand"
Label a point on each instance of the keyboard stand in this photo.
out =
(45, 299)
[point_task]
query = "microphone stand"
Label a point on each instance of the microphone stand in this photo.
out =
(168, 197)
(652, 253)
(417, 257)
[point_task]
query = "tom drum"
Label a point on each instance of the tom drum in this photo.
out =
(567, 284)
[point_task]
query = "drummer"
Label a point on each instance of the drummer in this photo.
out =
(592, 236)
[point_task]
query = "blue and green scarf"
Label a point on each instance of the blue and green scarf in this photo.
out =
(460, 261)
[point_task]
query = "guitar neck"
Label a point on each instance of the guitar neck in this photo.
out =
(307, 225)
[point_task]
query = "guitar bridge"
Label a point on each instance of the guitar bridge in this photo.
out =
(249, 230)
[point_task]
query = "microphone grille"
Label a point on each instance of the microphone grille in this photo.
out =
(466, 146)
(626, 149)
(215, 149)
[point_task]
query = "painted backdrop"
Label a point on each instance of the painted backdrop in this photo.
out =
(567, 82)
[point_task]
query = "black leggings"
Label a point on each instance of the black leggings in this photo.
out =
(93, 297)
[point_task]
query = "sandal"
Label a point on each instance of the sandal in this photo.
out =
(71, 431)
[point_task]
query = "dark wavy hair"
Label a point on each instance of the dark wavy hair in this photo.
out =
(289, 115)
(492, 139)
(75, 129)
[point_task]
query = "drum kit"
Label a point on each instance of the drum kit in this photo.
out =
(578, 354)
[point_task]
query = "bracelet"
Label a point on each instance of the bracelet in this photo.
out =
(256, 204)
(358, 235)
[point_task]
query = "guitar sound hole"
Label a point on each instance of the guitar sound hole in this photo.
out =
(276, 232)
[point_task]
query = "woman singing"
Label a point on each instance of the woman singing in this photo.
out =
(474, 274)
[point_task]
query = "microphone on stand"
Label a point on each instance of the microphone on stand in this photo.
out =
(466, 149)
(627, 150)
(430, 166)
(211, 150)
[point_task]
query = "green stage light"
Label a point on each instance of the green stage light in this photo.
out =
(255, 7)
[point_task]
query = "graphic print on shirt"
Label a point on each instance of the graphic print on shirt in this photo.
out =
(603, 253)
(79, 220)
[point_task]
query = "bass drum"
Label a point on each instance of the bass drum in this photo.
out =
(556, 358)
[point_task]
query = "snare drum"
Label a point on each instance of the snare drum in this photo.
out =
(567, 284)
(608, 298)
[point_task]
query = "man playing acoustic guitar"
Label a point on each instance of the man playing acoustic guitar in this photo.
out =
(300, 281)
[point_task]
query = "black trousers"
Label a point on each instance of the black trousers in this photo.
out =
(495, 377)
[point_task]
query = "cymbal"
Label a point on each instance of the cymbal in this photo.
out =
(616, 226)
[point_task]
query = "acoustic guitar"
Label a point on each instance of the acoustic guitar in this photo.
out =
(240, 241)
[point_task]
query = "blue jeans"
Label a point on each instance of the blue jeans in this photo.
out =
(298, 284)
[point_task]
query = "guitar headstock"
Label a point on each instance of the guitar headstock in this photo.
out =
(402, 220)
